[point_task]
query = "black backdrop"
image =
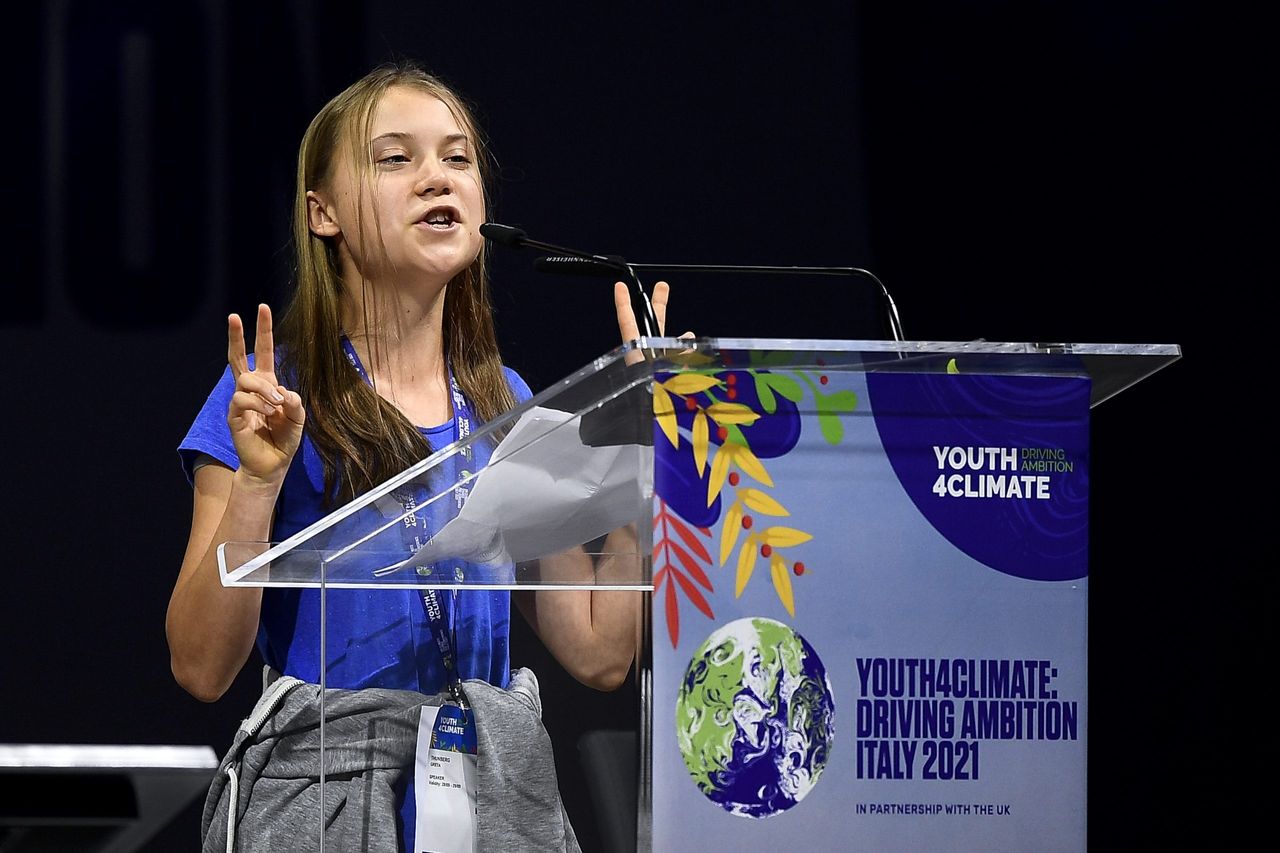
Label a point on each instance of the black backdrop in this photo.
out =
(1086, 172)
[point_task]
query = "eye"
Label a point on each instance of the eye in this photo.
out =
(393, 159)
(458, 160)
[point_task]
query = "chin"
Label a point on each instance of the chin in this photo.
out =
(443, 267)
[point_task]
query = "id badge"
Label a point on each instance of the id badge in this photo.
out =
(445, 781)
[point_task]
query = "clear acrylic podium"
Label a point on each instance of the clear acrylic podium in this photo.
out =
(863, 567)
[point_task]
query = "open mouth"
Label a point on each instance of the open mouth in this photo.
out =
(440, 218)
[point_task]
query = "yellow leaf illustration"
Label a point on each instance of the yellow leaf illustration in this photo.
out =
(692, 358)
(729, 530)
(720, 470)
(782, 583)
(664, 410)
(732, 413)
(690, 383)
(753, 467)
(700, 442)
(781, 537)
(761, 502)
(746, 564)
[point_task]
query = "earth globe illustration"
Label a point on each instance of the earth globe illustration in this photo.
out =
(755, 717)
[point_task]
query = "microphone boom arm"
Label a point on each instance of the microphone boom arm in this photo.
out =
(587, 267)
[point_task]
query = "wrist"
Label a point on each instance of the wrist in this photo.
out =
(256, 488)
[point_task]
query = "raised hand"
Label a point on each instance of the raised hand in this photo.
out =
(265, 418)
(627, 324)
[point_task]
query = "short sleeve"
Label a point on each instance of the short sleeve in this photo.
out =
(209, 432)
(518, 386)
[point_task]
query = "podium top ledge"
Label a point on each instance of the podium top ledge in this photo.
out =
(670, 346)
(1112, 367)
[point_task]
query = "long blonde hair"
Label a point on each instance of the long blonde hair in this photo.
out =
(361, 438)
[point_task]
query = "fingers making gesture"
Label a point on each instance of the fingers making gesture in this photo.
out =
(265, 418)
(628, 326)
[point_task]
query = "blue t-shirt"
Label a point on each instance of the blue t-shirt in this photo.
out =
(374, 638)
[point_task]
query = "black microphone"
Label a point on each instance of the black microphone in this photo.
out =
(608, 266)
(578, 265)
(507, 235)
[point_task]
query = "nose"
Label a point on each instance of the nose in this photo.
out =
(434, 180)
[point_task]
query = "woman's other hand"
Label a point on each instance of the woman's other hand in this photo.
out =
(627, 325)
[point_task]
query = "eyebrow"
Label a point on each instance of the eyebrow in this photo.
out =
(400, 134)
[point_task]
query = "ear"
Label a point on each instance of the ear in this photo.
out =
(321, 217)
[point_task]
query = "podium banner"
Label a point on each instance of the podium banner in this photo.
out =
(870, 609)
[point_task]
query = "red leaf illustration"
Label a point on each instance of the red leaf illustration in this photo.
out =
(673, 615)
(692, 541)
(694, 595)
(691, 566)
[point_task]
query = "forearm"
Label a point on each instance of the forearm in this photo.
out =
(615, 614)
(593, 633)
(210, 627)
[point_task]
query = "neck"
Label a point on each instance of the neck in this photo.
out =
(399, 337)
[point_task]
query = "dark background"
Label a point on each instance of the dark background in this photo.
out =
(1089, 172)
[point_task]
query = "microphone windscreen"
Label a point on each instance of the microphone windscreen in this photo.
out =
(507, 235)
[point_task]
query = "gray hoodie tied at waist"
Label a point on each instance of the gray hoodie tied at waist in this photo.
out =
(266, 795)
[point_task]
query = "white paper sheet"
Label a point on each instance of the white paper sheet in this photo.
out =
(543, 491)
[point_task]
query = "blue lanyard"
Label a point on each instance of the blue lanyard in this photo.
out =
(441, 631)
